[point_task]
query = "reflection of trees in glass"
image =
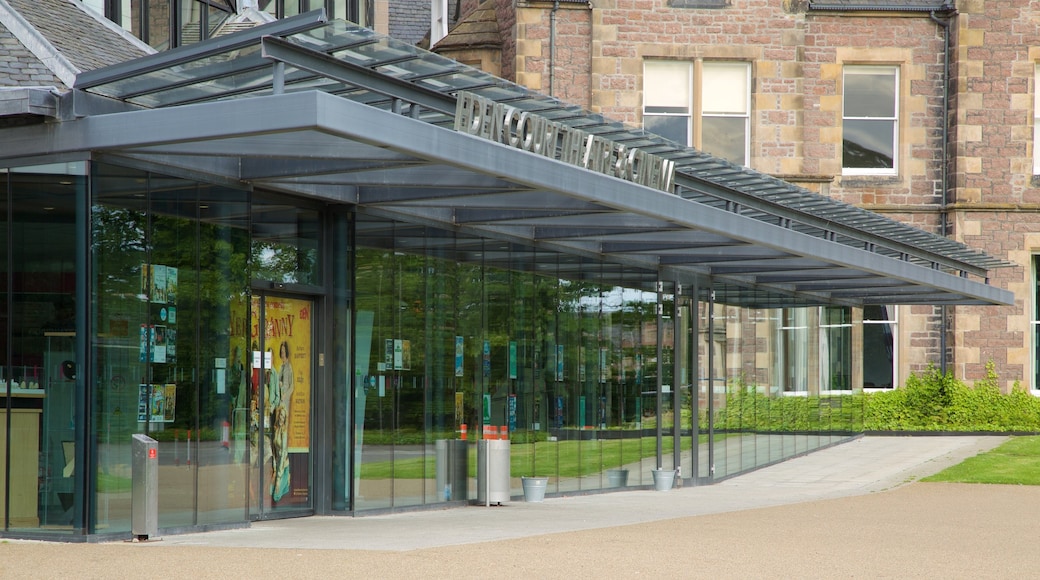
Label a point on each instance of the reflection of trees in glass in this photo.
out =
(212, 264)
(281, 262)
(430, 300)
(118, 244)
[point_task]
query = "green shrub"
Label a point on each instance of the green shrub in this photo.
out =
(931, 401)
(747, 409)
(938, 402)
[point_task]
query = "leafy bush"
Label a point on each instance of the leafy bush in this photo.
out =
(932, 401)
(938, 402)
(749, 410)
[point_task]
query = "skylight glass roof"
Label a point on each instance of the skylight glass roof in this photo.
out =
(306, 53)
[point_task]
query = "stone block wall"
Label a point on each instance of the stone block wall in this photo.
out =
(986, 195)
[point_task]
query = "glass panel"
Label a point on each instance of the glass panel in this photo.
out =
(793, 350)
(377, 309)
(156, 22)
(191, 22)
(666, 84)
(413, 68)
(586, 402)
(725, 88)
(666, 367)
(878, 347)
(373, 53)
(170, 289)
(285, 241)
(725, 137)
(215, 18)
(868, 144)
(835, 349)
(38, 313)
(171, 280)
(121, 340)
(414, 350)
(870, 92)
(673, 127)
(338, 9)
(219, 294)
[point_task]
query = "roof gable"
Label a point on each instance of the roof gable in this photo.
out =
(68, 38)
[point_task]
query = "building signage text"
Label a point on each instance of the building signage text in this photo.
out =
(501, 123)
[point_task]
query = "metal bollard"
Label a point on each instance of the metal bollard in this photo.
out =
(144, 501)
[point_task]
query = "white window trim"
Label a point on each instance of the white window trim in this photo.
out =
(1034, 322)
(824, 365)
(690, 110)
(746, 115)
(800, 323)
(694, 123)
(894, 170)
(1036, 120)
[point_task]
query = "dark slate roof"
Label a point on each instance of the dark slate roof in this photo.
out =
(409, 20)
(883, 5)
(84, 38)
(478, 29)
(19, 67)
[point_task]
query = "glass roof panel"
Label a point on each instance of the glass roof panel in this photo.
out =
(246, 82)
(221, 69)
(335, 35)
(456, 82)
(375, 53)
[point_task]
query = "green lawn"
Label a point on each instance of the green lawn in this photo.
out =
(1015, 462)
(563, 458)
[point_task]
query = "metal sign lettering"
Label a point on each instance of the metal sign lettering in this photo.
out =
(501, 123)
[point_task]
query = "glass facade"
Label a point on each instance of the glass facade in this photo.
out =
(293, 358)
(38, 307)
(169, 276)
(763, 403)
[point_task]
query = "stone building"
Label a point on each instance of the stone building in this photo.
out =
(922, 110)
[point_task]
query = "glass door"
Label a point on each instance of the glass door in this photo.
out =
(280, 406)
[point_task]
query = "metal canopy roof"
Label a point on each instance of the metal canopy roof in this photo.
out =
(338, 112)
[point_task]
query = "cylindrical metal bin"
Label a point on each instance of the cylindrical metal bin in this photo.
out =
(452, 467)
(492, 471)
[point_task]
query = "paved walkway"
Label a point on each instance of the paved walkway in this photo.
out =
(844, 512)
(864, 465)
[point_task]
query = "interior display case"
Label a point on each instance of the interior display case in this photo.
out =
(56, 443)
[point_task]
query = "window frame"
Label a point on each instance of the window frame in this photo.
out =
(893, 325)
(695, 114)
(894, 119)
(1036, 119)
(825, 369)
(1034, 324)
(793, 345)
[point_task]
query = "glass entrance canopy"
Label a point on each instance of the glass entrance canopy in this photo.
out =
(334, 111)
